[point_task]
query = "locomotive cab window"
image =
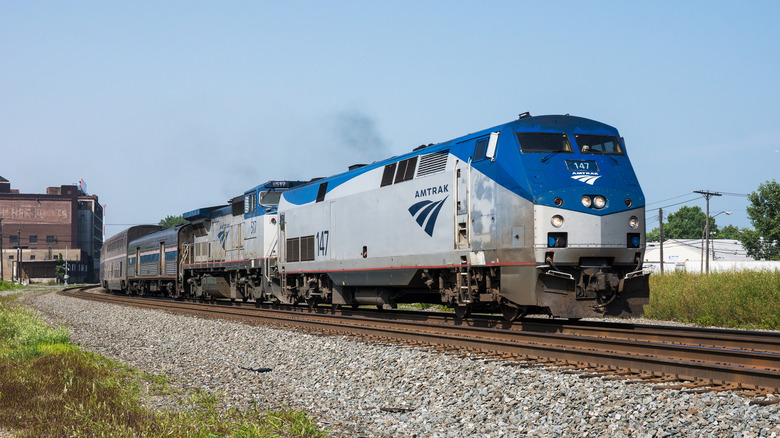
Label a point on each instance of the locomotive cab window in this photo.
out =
(481, 149)
(543, 142)
(599, 144)
(249, 203)
(270, 198)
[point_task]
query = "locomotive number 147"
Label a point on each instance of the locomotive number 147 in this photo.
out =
(322, 242)
(588, 165)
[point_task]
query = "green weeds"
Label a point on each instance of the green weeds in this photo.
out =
(50, 388)
(9, 285)
(739, 299)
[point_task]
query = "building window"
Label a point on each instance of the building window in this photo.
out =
(13, 239)
(10, 257)
(33, 239)
(49, 239)
(32, 257)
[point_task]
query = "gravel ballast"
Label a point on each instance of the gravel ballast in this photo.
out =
(363, 389)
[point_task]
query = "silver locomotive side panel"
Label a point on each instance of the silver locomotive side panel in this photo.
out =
(217, 240)
(361, 225)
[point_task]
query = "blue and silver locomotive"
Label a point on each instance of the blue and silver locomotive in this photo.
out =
(542, 214)
(539, 215)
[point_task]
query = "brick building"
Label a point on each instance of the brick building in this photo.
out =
(38, 228)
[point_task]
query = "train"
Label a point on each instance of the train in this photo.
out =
(540, 215)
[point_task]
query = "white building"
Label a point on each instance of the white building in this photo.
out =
(688, 255)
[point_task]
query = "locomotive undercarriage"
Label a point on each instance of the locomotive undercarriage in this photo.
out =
(465, 290)
(233, 284)
(568, 291)
(593, 289)
(573, 291)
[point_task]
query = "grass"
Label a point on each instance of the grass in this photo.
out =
(9, 285)
(50, 388)
(738, 299)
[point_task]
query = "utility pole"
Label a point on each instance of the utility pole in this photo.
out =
(707, 194)
(661, 235)
(713, 250)
(19, 255)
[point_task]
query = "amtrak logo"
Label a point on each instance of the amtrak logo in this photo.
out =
(587, 178)
(222, 236)
(427, 210)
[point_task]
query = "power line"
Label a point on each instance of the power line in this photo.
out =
(682, 202)
(676, 197)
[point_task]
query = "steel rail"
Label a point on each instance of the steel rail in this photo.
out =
(729, 366)
(766, 341)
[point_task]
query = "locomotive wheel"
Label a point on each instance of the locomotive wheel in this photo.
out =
(512, 312)
(462, 311)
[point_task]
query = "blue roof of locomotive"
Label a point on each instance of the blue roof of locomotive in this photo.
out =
(206, 213)
(226, 209)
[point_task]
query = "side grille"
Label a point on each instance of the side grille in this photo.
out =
(307, 248)
(293, 250)
(433, 163)
(300, 249)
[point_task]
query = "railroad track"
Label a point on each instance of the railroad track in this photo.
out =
(714, 359)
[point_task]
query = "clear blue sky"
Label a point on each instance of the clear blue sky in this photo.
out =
(164, 107)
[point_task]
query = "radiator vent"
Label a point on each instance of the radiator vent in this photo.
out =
(293, 250)
(307, 248)
(300, 249)
(433, 163)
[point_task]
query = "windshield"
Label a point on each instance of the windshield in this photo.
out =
(543, 142)
(270, 198)
(599, 144)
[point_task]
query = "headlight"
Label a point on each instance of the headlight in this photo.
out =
(629, 203)
(599, 201)
(558, 201)
(633, 222)
(586, 201)
(557, 221)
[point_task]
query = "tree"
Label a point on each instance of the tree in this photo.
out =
(59, 269)
(764, 214)
(685, 223)
(688, 223)
(172, 221)
(730, 232)
(654, 235)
